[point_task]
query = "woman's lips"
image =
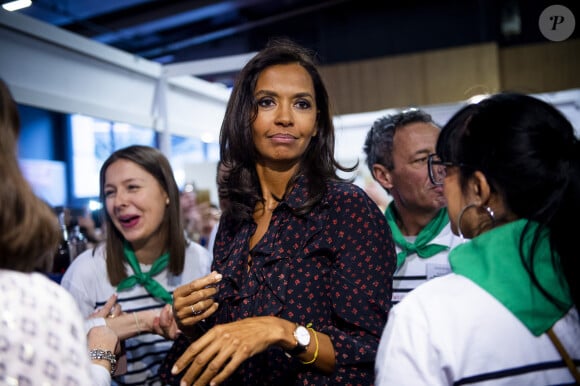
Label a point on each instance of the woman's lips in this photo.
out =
(282, 138)
(129, 221)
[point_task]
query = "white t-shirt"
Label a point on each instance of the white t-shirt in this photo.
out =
(416, 270)
(42, 335)
(449, 330)
(86, 279)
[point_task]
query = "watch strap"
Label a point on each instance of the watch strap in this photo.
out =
(299, 349)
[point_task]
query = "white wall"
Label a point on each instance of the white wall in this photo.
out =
(53, 69)
(204, 176)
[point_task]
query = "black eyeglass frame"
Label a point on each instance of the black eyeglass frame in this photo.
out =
(431, 161)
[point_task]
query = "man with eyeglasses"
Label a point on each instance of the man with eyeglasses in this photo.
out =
(398, 148)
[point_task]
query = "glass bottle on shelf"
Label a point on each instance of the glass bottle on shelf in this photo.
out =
(77, 242)
(62, 258)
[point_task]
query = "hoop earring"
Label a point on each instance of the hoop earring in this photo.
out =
(461, 212)
(488, 210)
(490, 213)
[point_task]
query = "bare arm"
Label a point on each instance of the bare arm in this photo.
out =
(131, 324)
(127, 325)
(217, 354)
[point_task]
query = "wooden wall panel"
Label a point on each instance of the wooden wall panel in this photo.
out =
(457, 74)
(366, 72)
(451, 75)
(544, 67)
(337, 87)
(411, 80)
(401, 81)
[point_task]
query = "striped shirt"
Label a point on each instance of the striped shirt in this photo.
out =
(416, 270)
(86, 279)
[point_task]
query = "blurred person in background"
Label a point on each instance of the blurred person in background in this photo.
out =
(92, 229)
(42, 335)
(221, 173)
(191, 213)
(145, 256)
(210, 216)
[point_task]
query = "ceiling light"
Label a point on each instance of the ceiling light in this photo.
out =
(16, 5)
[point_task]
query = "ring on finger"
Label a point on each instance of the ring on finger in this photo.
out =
(194, 312)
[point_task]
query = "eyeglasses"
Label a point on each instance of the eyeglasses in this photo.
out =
(438, 169)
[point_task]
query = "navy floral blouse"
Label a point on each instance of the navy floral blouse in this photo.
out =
(332, 268)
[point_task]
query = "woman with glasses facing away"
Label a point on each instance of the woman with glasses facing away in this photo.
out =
(305, 258)
(508, 314)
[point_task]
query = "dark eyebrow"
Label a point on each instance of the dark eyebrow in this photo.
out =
(265, 92)
(272, 93)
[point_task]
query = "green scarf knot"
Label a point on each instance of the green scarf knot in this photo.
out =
(146, 279)
(492, 261)
(421, 246)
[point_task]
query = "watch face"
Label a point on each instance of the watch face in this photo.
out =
(302, 336)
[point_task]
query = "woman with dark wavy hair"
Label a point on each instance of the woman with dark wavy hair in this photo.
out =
(305, 259)
(508, 314)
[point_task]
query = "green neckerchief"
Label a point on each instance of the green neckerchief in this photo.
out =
(146, 279)
(492, 260)
(421, 245)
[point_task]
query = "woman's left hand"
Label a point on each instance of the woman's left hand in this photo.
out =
(219, 352)
(194, 301)
(109, 310)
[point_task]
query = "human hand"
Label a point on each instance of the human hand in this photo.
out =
(194, 301)
(165, 324)
(109, 310)
(219, 352)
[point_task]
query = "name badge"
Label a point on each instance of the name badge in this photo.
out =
(434, 270)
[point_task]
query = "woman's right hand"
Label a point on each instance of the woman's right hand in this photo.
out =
(194, 301)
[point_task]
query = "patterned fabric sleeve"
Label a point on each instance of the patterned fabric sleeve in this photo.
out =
(361, 279)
